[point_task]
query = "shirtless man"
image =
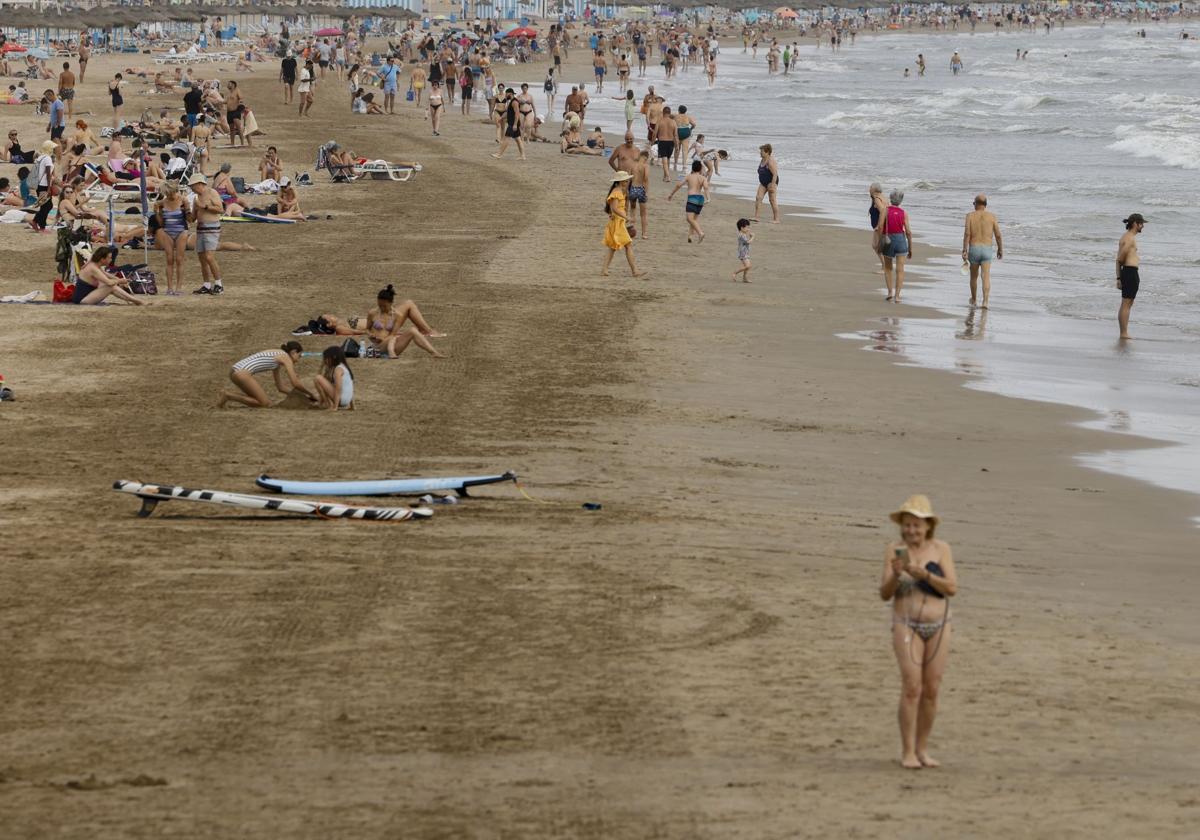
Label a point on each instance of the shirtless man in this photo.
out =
(1127, 270)
(624, 156)
(639, 187)
(666, 136)
(208, 208)
(575, 102)
(600, 66)
(978, 232)
(85, 53)
(66, 88)
(652, 104)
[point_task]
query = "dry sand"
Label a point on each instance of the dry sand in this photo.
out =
(704, 657)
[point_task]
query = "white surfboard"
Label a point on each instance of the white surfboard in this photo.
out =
(152, 494)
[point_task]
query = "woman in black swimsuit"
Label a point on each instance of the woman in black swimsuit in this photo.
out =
(768, 180)
(526, 107)
(114, 90)
(512, 118)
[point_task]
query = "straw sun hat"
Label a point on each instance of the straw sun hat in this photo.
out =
(622, 175)
(918, 506)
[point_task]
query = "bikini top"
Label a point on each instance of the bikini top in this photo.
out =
(907, 585)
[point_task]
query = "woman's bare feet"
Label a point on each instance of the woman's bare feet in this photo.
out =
(603, 273)
(927, 760)
(911, 762)
(641, 275)
(221, 399)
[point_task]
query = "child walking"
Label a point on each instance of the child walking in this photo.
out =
(745, 237)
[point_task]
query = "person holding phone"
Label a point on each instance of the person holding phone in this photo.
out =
(919, 579)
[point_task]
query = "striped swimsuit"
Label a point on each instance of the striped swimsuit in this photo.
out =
(259, 362)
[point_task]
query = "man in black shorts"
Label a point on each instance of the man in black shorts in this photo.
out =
(1128, 261)
(287, 75)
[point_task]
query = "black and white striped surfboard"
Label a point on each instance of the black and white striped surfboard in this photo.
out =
(152, 494)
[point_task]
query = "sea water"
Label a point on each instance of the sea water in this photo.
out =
(1096, 123)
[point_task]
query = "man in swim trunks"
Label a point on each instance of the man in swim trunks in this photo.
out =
(1128, 261)
(208, 209)
(66, 88)
(666, 136)
(978, 250)
(639, 186)
(600, 64)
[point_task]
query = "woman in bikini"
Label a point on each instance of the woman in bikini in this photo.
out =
(435, 106)
(386, 331)
(526, 108)
(499, 106)
(279, 362)
(466, 86)
(173, 214)
(919, 579)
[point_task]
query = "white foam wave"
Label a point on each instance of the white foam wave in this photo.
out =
(1172, 149)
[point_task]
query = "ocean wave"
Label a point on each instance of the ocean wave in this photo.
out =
(1028, 186)
(1172, 149)
(1029, 102)
(1170, 102)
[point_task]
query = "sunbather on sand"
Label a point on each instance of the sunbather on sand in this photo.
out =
(289, 202)
(10, 197)
(83, 134)
(94, 284)
(386, 331)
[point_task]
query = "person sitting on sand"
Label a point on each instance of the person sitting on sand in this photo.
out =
(919, 579)
(270, 167)
(83, 134)
(94, 284)
(385, 326)
(289, 202)
(572, 144)
(335, 382)
(223, 184)
(279, 362)
(596, 139)
(9, 197)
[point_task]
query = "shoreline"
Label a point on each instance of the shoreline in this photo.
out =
(705, 647)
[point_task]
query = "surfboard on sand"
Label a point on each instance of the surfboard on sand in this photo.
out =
(152, 494)
(382, 486)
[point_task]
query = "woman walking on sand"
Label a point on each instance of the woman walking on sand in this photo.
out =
(876, 214)
(697, 194)
(617, 234)
(896, 240)
(919, 579)
(768, 181)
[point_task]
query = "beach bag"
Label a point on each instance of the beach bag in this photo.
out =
(249, 124)
(350, 348)
(63, 292)
(409, 95)
(143, 283)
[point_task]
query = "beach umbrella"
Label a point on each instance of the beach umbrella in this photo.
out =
(327, 31)
(521, 32)
(9, 48)
(38, 52)
(785, 12)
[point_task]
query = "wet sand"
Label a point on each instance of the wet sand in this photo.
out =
(706, 656)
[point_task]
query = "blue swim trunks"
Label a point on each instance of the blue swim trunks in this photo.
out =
(980, 254)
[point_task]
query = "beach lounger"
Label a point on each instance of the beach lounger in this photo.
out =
(381, 170)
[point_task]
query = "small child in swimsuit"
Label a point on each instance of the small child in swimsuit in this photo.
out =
(745, 237)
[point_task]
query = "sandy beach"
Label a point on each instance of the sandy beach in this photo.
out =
(705, 656)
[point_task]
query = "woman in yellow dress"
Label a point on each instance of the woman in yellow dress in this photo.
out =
(616, 235)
